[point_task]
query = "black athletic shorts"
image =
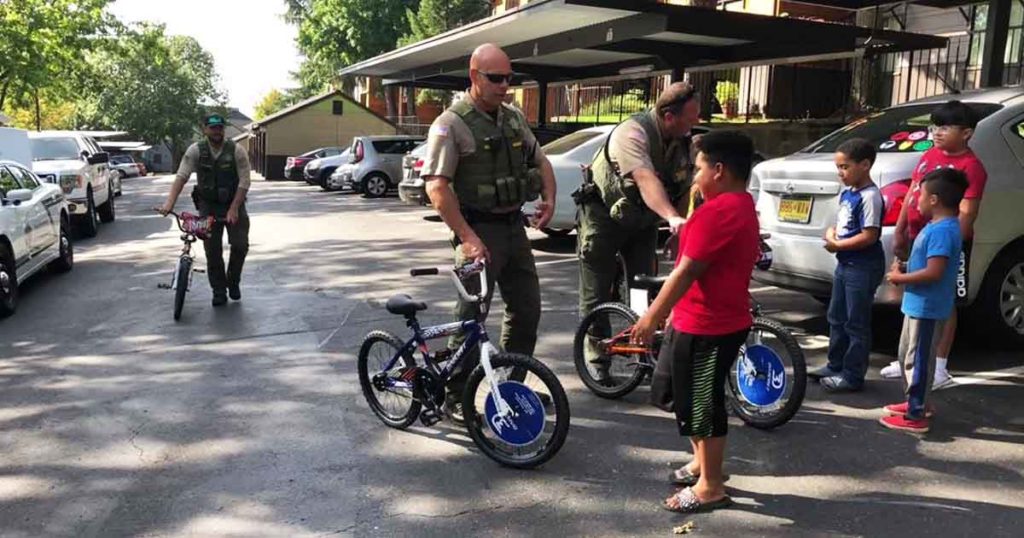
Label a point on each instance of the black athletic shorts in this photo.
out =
(689, 380)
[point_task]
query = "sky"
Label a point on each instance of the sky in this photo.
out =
(254, 48)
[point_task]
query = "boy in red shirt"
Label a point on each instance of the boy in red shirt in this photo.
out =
(953, 125)
(710, 305)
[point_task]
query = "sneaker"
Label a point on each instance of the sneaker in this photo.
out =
(942, 380)
(892, 371)
(824, 371)
(219, 299)
(234, 292)
(900, 409)
(838, 383)
(905, 424)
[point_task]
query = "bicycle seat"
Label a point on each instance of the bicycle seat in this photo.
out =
(404, 305)
(646, 282)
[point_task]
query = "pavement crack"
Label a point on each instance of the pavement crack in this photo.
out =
(131, 441)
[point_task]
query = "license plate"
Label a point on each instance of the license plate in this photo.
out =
(796, 209)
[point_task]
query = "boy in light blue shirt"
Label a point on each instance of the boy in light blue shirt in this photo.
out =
(930, 281)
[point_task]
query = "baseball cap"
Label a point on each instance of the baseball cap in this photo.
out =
(213, 120)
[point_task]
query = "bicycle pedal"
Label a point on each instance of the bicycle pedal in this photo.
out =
(429, 417)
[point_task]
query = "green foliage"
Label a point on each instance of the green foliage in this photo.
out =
(272, 102)
(610, 107)
(727, 91)
(43, 45)
(438, 16)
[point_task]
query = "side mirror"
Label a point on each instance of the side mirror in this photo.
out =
(17, 196)
(98, 158)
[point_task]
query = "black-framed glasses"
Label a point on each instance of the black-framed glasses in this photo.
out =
(498, 78)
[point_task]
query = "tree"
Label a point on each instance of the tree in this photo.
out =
(43, 45)
(337, 33)
(153, 85)
(272, 102)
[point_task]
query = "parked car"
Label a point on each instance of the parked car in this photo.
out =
(797, 198)
(318, 171)
(412, 190)
(125, 166)
(567, 155)
(115, 179)
(77, 163)
(35, 230)
(376, 164)
(294, 166)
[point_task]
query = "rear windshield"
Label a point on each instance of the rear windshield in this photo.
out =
(55, 149)
(896, 130)
(121, 159)
(569, 142)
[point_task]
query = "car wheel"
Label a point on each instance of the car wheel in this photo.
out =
(375, 186)
(66, 261)
(8, 283)
(122, 174)
(89, 223)
(107, 211)
(1000, 302)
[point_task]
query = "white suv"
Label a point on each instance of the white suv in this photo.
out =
(34, 231)
(75, 162)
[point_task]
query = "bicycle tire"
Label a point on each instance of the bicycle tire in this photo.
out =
(402, 421)
(579, 355)
(772, 418)
(181, 285)
(476, 427)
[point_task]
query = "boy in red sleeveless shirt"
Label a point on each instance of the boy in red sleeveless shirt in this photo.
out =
(707, 294)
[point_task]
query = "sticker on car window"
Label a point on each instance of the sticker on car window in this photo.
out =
(923, 145)
(887, 145)
(918, 135)
(905, 145)
(900, 136)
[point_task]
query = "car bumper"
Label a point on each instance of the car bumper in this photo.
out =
(413, 194)
(78, 206)
(293, 173)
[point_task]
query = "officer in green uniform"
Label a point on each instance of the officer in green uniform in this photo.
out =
(222, 176)
(482, 164)
(639, 178)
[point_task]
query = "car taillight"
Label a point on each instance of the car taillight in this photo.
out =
(289, 161)
(358, 156)
(894, 194)
(418, 164)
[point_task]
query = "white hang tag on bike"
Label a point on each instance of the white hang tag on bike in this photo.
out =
(638, 301)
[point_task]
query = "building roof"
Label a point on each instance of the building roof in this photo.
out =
(559, 40)
(312, 101)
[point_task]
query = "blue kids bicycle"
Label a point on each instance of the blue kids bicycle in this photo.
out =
(513, 406)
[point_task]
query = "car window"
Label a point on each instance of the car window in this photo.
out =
(121, 159)
(7, 181)
(312, 153)
(896, 130)
(93, 146)
(384, 146)
(55, 149)
(1020, 129)
(569, 142)
(332, 152)
(24, 177)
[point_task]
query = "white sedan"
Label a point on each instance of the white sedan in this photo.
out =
(567, 155)
(34, 230)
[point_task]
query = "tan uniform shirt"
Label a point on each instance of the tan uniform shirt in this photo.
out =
(450, 138)
(630, 148)
(190, 161)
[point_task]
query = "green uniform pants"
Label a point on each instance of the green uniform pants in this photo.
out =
(238, 236)
(512, 267)
(600, 245)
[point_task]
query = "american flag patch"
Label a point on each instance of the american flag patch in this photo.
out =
(439, 130)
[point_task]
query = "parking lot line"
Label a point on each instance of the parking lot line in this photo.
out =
(993, 378)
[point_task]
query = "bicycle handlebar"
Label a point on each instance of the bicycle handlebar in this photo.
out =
(457, 275)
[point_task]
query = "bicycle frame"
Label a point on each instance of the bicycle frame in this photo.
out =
(476, 334)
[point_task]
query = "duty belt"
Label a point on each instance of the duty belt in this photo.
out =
(473, 216)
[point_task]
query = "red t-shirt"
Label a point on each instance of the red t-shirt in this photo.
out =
(933, 159)
(723, 232)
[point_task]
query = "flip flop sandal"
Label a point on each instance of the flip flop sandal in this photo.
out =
(683, 477)
(688, 503)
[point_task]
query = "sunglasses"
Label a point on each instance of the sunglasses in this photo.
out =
(498, 78)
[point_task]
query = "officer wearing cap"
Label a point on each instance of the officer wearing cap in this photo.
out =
(482, 164)
(222, 176)
(639, 178)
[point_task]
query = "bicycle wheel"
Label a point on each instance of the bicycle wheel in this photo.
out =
(625, 371)
(768, 379)
(181, 285)
(536, 430)
(395, 407)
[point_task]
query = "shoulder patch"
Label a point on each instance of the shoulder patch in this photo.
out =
(438, 130)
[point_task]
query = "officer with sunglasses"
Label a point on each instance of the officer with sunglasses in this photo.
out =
(482, 164)
(639, 178)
